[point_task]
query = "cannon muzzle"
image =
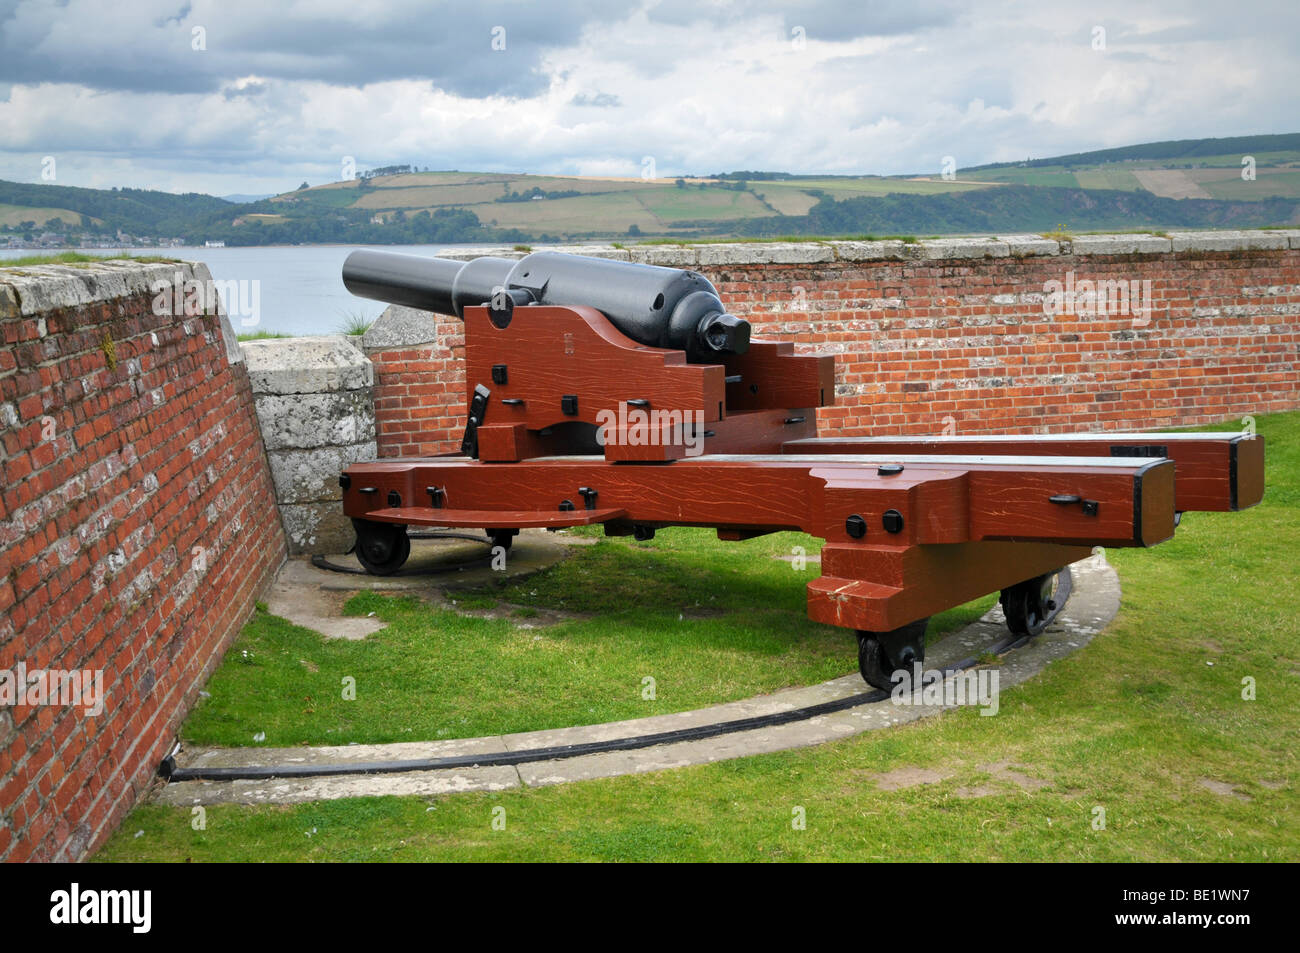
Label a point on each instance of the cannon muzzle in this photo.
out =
(654, 306)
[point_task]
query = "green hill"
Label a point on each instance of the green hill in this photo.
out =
(1181, 149)
(1195, 183)
(137, 211)
(1023, 208)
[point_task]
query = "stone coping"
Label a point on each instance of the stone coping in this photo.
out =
(33, 289)
(930, 249)
(30, 290)
(400, 327)
(320, 364)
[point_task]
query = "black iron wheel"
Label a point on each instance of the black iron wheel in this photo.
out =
(881, 654)
(873, 663)
(382, 548)
(505, 538)
(1030, 605)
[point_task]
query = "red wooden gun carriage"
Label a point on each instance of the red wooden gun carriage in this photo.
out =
(625, 395)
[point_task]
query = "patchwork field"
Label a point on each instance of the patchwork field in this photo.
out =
(14, 215)
(1191, 184)
(1277, 175)
(610, 205)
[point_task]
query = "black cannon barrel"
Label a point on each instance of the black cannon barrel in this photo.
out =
(658, 307)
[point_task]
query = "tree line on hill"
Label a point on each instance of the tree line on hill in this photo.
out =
(321, 218)
(1018, 208)
(1168, 149)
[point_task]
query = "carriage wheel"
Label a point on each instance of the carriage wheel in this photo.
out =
(1031, 605)
(382, 548)
(880, 654)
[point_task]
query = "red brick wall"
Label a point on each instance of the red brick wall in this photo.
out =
(114, 478)
(965, 343)
(420, 394)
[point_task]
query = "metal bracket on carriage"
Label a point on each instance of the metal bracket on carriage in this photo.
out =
(576, 384)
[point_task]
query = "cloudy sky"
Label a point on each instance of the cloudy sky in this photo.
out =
(227, 96)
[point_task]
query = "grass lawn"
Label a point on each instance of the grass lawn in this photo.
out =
(709, 621)
(78, 258)
(261, 336)
(1139, 724)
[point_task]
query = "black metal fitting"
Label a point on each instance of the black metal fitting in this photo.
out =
(1090, 507)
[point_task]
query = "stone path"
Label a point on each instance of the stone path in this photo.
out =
(312, 597)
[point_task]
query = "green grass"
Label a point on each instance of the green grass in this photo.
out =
(77, 258)
(848, 188)
(709, 621)
(261, 335)
(1133, 723)
(1218, 175)
(15, 215)
(1267, 184)
(354, 324)
(684, 206)
(1109, 178)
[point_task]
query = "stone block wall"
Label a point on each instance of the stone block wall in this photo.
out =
(315, 403)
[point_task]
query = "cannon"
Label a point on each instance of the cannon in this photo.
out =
(625, 395)
(657, 307)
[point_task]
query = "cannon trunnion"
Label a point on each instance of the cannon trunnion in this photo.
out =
(603, 392)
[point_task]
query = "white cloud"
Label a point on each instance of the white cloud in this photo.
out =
(702, 87)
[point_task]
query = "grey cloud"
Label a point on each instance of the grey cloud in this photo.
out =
(598, 99)
(447, 43)
(179, 17)
(247, 91)
(685, 82)
(821, 21)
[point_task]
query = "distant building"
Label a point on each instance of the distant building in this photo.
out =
(212, 244)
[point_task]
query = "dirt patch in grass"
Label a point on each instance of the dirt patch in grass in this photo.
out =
(1002, 771)
(909, 777)
(1221, 788)
(980, 790)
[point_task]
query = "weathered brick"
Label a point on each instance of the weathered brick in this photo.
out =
(117, 456)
